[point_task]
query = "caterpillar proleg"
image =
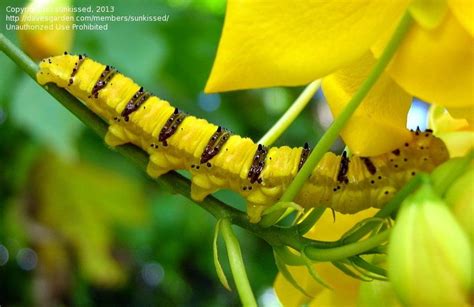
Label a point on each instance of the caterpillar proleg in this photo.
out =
(218, 159)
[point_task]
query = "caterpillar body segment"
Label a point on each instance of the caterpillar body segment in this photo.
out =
(218, 159)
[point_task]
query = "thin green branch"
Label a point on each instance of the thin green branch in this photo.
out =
(346, 251)
(333, 131)
(290, 115)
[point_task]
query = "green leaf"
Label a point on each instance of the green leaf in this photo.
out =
(309, 220)
(359, 263)
(343, 268)
(217, 264)
(44, 118)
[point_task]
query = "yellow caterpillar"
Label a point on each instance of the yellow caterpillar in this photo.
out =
(218, 159)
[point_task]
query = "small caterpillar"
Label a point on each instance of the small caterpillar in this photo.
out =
(218, 159)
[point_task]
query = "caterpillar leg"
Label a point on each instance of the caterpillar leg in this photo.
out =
(158, 165)
(155, 171)
(201, 187)
(254, 211)
(115, 136)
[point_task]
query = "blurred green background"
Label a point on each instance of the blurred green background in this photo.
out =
(79, 224)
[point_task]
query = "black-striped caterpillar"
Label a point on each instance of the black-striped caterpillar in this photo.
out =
(218, 159)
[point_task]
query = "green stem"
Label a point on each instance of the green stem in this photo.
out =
(346, 251)
(334, 130)
(237, 264)
(290, 115)
(18, 56)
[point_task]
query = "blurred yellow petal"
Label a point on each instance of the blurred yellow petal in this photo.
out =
(428, 13)
(456, 133)
(329, 229)
(459, 143)
(441, 121)
(290, 296)
(379, 124)
(268, 43)
(463, 113)
(463, 10)
(436, 65)
(54, 37)
(81, 203)
(345, 288)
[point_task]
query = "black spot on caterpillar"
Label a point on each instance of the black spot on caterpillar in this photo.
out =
(218, 159)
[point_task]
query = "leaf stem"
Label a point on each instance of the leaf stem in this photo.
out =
(346, 251)
(237, 265)
(293, 111)
(333, 131)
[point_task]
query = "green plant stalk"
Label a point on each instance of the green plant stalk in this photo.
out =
(237, 265)
(290, 115)
(334, 130)
(346, 251)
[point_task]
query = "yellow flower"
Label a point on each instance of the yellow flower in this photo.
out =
(46, 29)
(345, 288)
(270, 43)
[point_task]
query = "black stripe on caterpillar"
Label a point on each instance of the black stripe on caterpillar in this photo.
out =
(218, 159)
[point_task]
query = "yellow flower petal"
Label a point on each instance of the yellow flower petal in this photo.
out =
(463, 10)
(459, 143)
(379, 124)
(267, 43)
(428, 13)
(437, 65)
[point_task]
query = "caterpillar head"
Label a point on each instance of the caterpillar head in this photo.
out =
(429, 150)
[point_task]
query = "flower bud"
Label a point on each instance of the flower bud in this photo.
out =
(429, 256)
(460, 199)
(46, 28)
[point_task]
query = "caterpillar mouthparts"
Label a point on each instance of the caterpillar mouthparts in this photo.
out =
(218, 159)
